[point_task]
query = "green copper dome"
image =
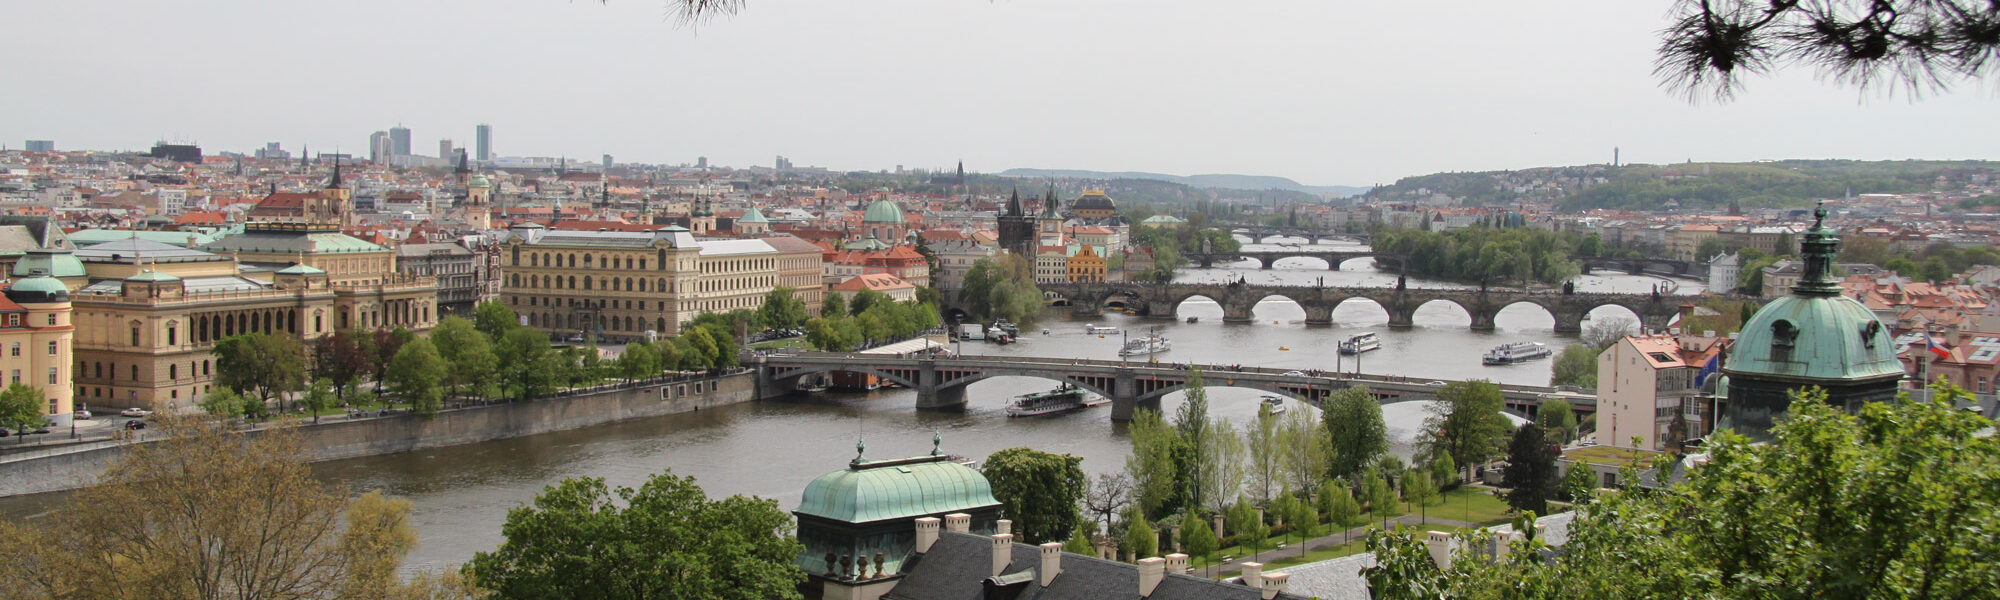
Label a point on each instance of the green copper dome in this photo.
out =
(38, 290)
(50, 262)
(896, 489)
(883, 211)
(1815, 333)
(301, 269)
(479, 181)
(753, 216)
(151, 275)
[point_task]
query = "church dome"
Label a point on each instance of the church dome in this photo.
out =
(53, 262)
(38, 290)
(1093, 200)
(479, 181)
(896, 489)
(1815, 333)
(883, 211)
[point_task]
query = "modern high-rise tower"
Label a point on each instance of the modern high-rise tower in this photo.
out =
(399, 141)
(445, 150)
(482, 142)
(379, 147)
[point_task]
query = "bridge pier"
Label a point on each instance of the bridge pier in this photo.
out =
(1233, 314)
(1482, 320)
(1402, 318)
(1317, 314)
(1570, 323)
(1265, 262)
(930, 394)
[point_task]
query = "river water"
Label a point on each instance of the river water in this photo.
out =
(773, 449)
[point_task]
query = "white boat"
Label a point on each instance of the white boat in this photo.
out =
(1053, 402)
(1360, 343)
(1008, 326)
(1153, 343)
(1277, 404)
(1099, 330)
(1507, 354)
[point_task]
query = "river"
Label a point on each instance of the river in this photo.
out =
(772, 449)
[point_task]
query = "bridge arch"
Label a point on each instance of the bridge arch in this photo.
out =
(1451, 304)
(1387, 315)
(1319, 262)
(1100, 385)
(1555, 313)
(1634, 313)
(1178, 306)
(1128, 297)
(1161, 388)
(791, 376)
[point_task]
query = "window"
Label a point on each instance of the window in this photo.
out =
(16, 376)
(1784, 336)
(52, 319)
(52, 375)
(173, 371)
(14, 351)
(53, 348)
(135, 372)
(135, 336)
(170, 336)
(13, 320)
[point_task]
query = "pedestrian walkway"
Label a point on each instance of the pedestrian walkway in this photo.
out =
(1327, 541)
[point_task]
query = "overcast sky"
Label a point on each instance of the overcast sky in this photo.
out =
(1325, 92)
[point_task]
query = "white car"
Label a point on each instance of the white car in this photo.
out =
(135, 412)
(1295, 373)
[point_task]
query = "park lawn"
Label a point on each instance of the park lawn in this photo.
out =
(795, 343)
(1274, 559)
(1471, 504)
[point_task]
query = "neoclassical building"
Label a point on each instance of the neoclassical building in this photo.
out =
(36, 341)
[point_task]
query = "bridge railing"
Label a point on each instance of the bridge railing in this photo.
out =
(1142, 367)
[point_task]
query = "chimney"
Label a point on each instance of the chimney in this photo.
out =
(927, 533)
(1051, 562)
(1003, 552)
(1177, 563)
(1439, 544)
(1253, 575)
(1004, 526)
(1151, 571)
(959, 522)
(1274, 584)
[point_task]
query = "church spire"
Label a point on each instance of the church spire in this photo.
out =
(335, 182)
(1014, 204)
(1820, 247)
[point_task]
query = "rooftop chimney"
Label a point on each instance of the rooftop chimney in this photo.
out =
(1151, 571)
(1274, 584)
(1253, 575)
(927, 533)
(959, 522)
(1177, 563)
(1003, 552)
(1051, 562)
(1439, 544)
(1004, 526)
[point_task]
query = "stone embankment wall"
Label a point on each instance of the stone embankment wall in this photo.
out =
(71, 467)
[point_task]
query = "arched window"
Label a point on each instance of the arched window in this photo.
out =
(572, 261)
(533, 260)
(572, 282)
(1784, 337)
(586, 261)
(586, 280)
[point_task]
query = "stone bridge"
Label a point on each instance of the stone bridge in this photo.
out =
(1636, 266)
(940, 382)
(1266, 258)
(1258, 235)
(1238, 300)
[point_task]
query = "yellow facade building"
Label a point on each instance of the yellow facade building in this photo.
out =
(36, 342)
(1086, 266)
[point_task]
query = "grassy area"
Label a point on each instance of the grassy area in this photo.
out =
(1275, 559)
(1472, 505)
(797, 343)
(1610, 456)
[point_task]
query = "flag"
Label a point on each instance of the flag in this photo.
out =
(1937, 348)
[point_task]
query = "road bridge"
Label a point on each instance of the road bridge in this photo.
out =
(1266, 258)
(1259, 235)
(1637, 266)
(940, 382)
(1239, 300)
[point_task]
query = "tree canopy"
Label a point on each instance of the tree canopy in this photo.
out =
(1039, 491)
(1919, 45)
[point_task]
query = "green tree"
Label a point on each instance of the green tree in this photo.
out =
(1001, 286)
(22, 407)
(271, 365)
(865, 299)
(666, 539)
(1465, 422)
(782, 309)
(1266, 455)
(1152, 465)
(1558, 419)
(1307, 451)
(341, 358)
(468, 357)
(702, 343)
(494, 319)
(320, 395)
(830, 335)
(638, 362)
(527, 365)
(1139, 538)
(417, 374)
(1300, 518)
(1578, 483)
(1247, 525)
(1339, 505)
(833, 306)
(1354, 425)
(1577, 365)
(1419, 491)
(1381, 496)
(1191, 425)
(1531, 470)
(222, 403)
(1038, 490)
(1444, 473)
(1197, 538)
(1079, 541)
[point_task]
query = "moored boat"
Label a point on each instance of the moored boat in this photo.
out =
(1276, 403)
(1507, 354)
(1153, 343)
(1057, 401)
(1099, 329)
(1360, 343)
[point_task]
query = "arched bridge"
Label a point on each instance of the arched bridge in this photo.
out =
(1636, 266)
(1311, 234)
(1266, 258)
(1239, 300)
(940, 382)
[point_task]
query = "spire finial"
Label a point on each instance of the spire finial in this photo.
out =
(937, 443)
(859, 447)
(1819, 215)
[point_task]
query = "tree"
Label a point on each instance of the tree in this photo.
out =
(1557, 418)
(1914, 44)
(1577, 366)
(1444, 473)
(833, 306)
(1381, 497)
(1354, 425)
(1339, 504)
(211, 514)
(1038, 490)
(320, 395)
(416, 375)
(1197, 538)
(1300, 518)
(1418, 490)
(1266, 455)
(1531, 470)
(494, 319)
(836, 335)
(1307, 449)
(1465, 422)
(1223, 463)
(666, 539)
(222, 403)
(1578, 483)
(1108, 495)
(701, 341)
(1140, 539)
(269, 364)
(638, 362)
(865, 299)
(468, 358)
(782, 309)
(383, 344)
(1191, 424)
(341, 358)
(1001, 286)
(1079, 541)
(1247, 525)
(22, 407)
(1152, 465)
(527, 364)
(1604, 332)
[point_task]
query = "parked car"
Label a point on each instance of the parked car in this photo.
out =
(1295, 373)
(1435, 384)
(135, 424)
(83, 414)
(135, 412)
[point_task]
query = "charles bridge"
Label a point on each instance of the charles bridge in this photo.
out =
(1267, 258)
(941, 381)
(1161, 300)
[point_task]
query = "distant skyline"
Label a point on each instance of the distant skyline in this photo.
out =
(1323, 93)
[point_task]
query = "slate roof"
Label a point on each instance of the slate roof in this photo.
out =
(958, 564)
(1340, 578)
(272, 242)
(143, 249)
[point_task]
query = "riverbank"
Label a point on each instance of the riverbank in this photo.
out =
(74, 466)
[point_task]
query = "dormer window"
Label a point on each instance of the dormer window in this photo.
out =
(1784, 337)
(1869, 332)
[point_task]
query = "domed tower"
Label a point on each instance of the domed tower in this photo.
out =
(39, 321)
(858, 524)
(884, 220)
(1813, 337)
(478, 202)
(753, 222)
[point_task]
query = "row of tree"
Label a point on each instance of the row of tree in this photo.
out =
(1486, 255)
(872, 318)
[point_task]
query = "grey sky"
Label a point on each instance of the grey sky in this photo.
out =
(1323, 92)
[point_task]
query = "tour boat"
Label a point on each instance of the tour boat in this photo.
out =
(1099, 330)
(1193, 320)
(1360, 343)
(1277, 403)
(1057, 401)
(1507, 354)
(1153, 343)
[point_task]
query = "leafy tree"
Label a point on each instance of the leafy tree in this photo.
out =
(1577, 365)
(1578, 483)
(864, 299)
(1307, 451)
(340, 358)
(1531, 470)
(416, 374)
(702, 343)
(1381, 496)
(1002, 286)
(382, 346)
(1038, 490)
(527, 365)
(1079, 541)
(494, 319)
(1419, 491)
(1191, 425)
(1197, 538)
(1152, 465)
(320, 395)
(1465, 422)
(1444, 473)
(1223, 462)
(1911, 44)
(782, 309)
(836, 335)
(269, 364)
(1354, 425)
(468, 357)
(666, 539)
(1266, 455)
(1300, 518)
(1557, 418)
(22, 407)
(833, 306)
(1339, 505)
(638, 362)
(210, 514)
(1247, 525)
(1140, 539)
(222, 403)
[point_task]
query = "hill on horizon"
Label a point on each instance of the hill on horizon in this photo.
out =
(1220, 180)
